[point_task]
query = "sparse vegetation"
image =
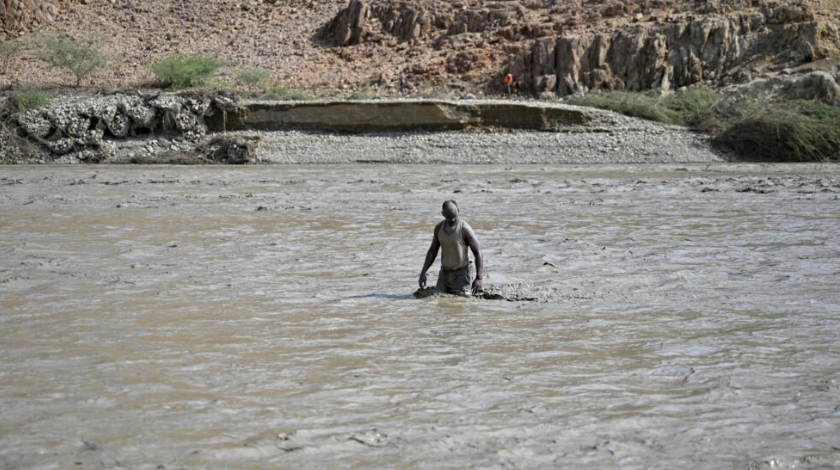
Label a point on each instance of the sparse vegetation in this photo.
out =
(251, 77)
(12, 104)
(280, 92)
(361, 95)
(181, 71)
(791, 130)
(786, 130)
(30, 98)
(79, 57)
(681, 108)
(8, 49)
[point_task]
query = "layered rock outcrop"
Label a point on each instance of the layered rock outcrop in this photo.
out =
(567, 47)
(18, 14)
(671, 54)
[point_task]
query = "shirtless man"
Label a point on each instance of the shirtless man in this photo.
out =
(457, 274)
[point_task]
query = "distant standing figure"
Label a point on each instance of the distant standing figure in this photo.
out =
(453, 236)
(508, 82)
(403, 82)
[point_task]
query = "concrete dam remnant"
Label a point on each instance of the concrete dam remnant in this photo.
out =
(398, 115)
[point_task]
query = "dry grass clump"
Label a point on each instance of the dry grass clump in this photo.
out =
(785, 130)
(791, 130)
(679, 108)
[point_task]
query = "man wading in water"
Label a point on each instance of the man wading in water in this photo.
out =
(457, 274)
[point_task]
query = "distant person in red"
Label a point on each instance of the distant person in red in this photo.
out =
(508, 82)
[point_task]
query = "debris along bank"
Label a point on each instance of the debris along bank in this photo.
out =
(212, 127)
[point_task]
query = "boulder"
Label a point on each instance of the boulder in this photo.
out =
(544, 83)
(228, 149)
(348, 27)
(61, 146)
(34, 124)
(141, 115)
(119, 126)
(818, 85)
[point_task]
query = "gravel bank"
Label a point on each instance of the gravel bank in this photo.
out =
(490, 133)
(645, 144)
(608, 138)
(621, 140)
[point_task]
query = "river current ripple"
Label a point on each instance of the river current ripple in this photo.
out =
(261, 317)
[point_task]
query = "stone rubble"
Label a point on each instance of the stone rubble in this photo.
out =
(85, 129)
(173, 128)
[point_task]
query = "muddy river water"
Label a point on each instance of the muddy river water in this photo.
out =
(262, 317)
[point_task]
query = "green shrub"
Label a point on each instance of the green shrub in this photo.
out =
(79, 57)
(251, 77)
(31, 98)
(687, 104)
(789, 130)
(681, 108)
(641, 105)
(181, 71)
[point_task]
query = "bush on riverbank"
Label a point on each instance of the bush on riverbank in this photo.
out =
(787, 130)
(181, 71)
(14, 103)
(791, 130)
(679, 108)
(20, 101)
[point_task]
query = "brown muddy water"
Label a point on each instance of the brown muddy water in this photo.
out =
(262, 317)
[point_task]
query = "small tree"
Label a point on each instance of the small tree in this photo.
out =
(8, 49)
(79, 57)
(180, 71)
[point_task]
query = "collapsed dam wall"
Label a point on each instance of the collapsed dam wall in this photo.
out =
(90, 129)
(399, 115)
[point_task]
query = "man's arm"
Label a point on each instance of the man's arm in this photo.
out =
(430, 257)
(475, 247)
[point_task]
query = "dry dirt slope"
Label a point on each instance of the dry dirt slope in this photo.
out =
(460, 45)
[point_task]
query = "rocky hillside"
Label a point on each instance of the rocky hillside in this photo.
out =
(448, 47)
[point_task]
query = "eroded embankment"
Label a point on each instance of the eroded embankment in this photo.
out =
(401, 116)
(189, 128)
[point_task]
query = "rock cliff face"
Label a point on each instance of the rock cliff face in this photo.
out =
(569, 47)
(671, 54)
(446, 48)
(16, 15)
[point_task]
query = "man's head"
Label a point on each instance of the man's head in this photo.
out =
(450, 211)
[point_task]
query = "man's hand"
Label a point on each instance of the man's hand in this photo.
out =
(423, 280)
(476, 288)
